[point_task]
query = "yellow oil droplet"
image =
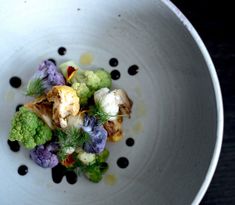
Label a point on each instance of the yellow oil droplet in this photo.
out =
(137, 128)
(138, 91)
(110, 179)
(86, 59)
(9, 96)
(140, 110)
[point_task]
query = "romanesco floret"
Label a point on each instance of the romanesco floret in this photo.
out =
(29, 129)
(105, 78)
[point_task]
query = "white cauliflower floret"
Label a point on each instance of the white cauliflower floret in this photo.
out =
(69, 150)
(108, 101)
(65, 104)
(75, 121)
(113, 102)
(86, 158)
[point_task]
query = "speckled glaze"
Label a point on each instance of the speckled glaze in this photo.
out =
(177, 119)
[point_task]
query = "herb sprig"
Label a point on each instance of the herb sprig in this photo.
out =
(35, 87)
(71, 137)
(98, 111)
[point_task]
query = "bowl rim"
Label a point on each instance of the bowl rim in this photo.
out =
(218, 97)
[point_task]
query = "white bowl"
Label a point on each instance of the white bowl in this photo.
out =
(177, 117)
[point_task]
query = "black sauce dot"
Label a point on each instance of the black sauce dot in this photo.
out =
(133, 70)
(123, 162)
(61, 51)
(58, 173)
(113, 62)
(14, 145)
(52, 60)
(15, 82)
(130, 142)
(115, 74)
(22, 170)
(71, 177)
(18, 107)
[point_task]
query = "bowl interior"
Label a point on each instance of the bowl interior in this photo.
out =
(174, 121)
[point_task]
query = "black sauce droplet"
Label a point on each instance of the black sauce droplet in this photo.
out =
(133, 70)
(115, 74)
(130, 142)
(62, 51)
(15, 82)
(52, 60)
(123, 162)
(113, 62)
(18, 107)
(58, 173)
(14, 145)
(22, 170)
(71, 177)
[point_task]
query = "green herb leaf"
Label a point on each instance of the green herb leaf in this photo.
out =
(98, 111)
(70, 137)
(35, 87)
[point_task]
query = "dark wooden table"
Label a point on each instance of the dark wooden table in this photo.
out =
(215, 23)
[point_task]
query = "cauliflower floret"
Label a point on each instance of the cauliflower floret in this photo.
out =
(114, 102)
(65, 103)
(76, 121)
(86, 158)
(69, 150)
(114, 129)
(42, 108)
(125, 103)
(108, 101)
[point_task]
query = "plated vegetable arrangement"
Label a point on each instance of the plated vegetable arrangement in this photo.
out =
(73, 115)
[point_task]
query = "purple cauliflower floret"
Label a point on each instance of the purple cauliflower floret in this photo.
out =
(97, 134)
(44, 156)
(50, 74)
(89, 123)
(44, 79)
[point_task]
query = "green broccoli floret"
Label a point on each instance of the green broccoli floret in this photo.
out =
(86, 82)
(93, 173)
(92, 80)
(83, 92)
(29, 129)
(105, 78)
(103, 156)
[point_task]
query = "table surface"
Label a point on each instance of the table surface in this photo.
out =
(214, 21)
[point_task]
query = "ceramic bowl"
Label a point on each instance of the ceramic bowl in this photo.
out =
(177, 116)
